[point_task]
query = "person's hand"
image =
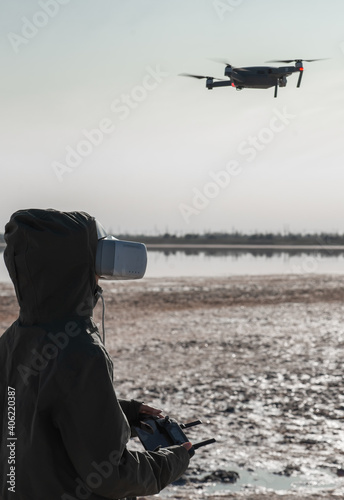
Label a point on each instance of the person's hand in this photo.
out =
(150, 410)
(187, 445)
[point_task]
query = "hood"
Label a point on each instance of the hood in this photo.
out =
(50, 256)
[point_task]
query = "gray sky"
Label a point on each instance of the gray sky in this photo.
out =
(94, 116)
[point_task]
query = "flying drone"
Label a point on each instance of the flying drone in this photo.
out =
(256, 77)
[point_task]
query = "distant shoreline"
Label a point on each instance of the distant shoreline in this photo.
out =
(250, 247)
(229, 246)
(222, 241)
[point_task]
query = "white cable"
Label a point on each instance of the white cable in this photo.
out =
(103, 317)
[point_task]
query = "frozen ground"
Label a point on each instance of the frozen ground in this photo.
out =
(258, 359)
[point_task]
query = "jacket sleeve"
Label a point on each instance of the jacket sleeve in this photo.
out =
(95, 432)
(130, 409)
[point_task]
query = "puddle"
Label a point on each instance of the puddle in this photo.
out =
(307, 482)
(261, 478)
(265, 479)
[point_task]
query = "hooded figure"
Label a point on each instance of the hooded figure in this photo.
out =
(63, 430)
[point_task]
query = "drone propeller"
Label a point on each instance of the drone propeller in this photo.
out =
(298, 65)
(223, 61)
(294, 60)
(200, 77)
(220, 60)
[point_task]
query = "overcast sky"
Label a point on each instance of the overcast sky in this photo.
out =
(94, 116)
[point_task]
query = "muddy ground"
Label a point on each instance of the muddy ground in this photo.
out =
(258, 359)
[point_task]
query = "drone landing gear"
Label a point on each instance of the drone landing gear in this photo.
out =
(300, 78)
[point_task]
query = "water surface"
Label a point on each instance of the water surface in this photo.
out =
(180, 263)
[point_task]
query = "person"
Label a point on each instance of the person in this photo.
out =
(64, 432)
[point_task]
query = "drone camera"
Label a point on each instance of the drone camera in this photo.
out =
(282, 81)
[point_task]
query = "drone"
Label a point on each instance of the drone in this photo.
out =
(256, 77)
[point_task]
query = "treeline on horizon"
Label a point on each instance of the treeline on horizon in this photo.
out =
(238, 238)
(235, 238)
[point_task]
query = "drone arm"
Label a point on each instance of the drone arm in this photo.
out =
(212, 84)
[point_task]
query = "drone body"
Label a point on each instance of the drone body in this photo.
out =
(256, 77)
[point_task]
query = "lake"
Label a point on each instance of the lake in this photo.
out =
(229, 263)
(174, 263)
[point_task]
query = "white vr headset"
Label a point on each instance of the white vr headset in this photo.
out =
(117, 259)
